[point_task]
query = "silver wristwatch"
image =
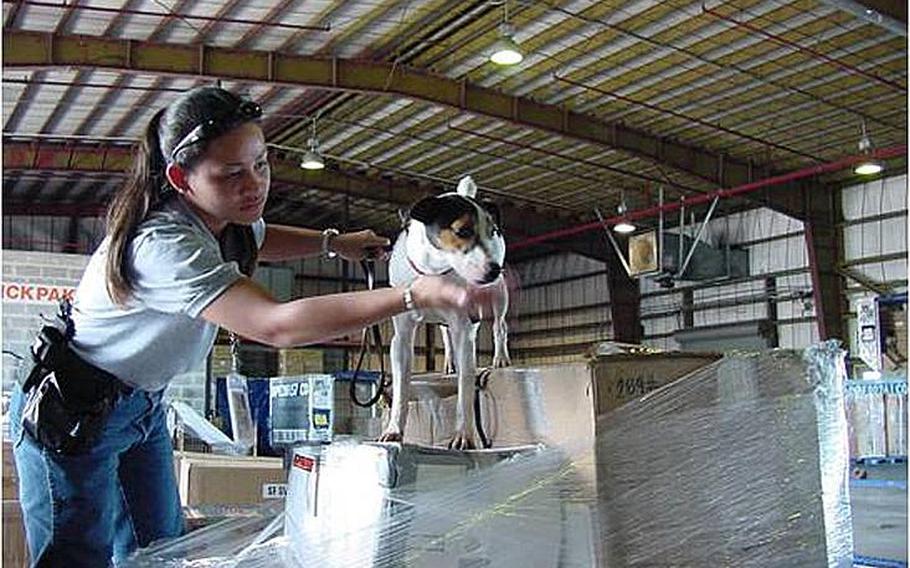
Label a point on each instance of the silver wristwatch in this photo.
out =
(326, 248)
(409, 299)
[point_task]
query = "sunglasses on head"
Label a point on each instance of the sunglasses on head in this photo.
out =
(215, 127)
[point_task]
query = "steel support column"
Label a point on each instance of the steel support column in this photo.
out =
(822, 221)
(625, 302)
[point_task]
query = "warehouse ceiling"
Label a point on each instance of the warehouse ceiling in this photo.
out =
(613, 100)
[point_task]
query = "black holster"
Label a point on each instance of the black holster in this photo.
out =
(67, 400)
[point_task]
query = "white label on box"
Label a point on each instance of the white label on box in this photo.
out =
(285, 390)
(288, 436)
(274, 490)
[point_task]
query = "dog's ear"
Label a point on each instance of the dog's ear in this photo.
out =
(426, 210)
(467, 187)
(493, 209)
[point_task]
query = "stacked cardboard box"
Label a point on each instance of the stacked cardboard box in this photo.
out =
(877, 415)
(742, 463)
(207, 479)
(299, 361)
(386, 505)
(896, 423)
(221, 360)
(553, 404)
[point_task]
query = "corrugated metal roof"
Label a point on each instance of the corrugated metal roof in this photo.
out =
(777, 85)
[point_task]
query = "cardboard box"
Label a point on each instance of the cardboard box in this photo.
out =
(10, 475)
(394, 505)
(621, 378)
(552, 404)
(221, 360)
(299, 361)
(431, 410)
(15, 548)
(205, 479)
(741, 463)
(301, 409)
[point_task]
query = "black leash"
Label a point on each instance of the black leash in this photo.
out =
(366, 345)
(372, 341)
(480, 385)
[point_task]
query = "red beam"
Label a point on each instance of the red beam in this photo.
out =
(53, 209)
(649, 212)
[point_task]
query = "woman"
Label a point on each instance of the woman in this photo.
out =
(149, 306)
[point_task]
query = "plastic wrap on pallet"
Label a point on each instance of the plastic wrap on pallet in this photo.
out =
(896, 424)
(386, 506)
(243, 540)
(741, 463)
(866, 419)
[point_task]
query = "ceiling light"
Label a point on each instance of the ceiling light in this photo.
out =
(505, 50)
(624, 228)
(869, 166)
(312, 159)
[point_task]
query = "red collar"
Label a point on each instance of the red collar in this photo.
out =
(422, 273)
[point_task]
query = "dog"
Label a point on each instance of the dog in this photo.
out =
(454, 236)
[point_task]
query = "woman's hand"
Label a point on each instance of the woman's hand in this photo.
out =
(438, 292)
(359, 245)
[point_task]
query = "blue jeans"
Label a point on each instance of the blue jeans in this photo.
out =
(96, 508)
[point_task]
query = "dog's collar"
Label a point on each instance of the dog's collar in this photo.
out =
(425, 273)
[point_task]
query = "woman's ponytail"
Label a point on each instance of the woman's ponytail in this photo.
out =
(130, 205)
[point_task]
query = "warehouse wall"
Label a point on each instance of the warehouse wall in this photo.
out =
(779, 280)
(560, 307)
(875, 244)
(32, 284)
(875, 239)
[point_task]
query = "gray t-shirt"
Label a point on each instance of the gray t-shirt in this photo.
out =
(177, 271)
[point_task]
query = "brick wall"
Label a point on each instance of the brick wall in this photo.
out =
(24, 273)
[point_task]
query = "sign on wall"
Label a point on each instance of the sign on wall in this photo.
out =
(35, 292)
(869, 333)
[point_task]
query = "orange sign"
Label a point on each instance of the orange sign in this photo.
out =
(31, 292)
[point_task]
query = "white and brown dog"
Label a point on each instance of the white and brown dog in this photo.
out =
(454, 236)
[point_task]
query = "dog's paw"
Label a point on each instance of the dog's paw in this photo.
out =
(461, 441)
(390, 437)
(500, 362)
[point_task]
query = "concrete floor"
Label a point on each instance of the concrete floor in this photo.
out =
(880, 512)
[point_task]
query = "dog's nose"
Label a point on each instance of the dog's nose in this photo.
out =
(493, 271)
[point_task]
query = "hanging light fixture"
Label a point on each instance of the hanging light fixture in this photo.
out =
(624, 227)
(506, 51)
(869, 166)
(312, 159)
